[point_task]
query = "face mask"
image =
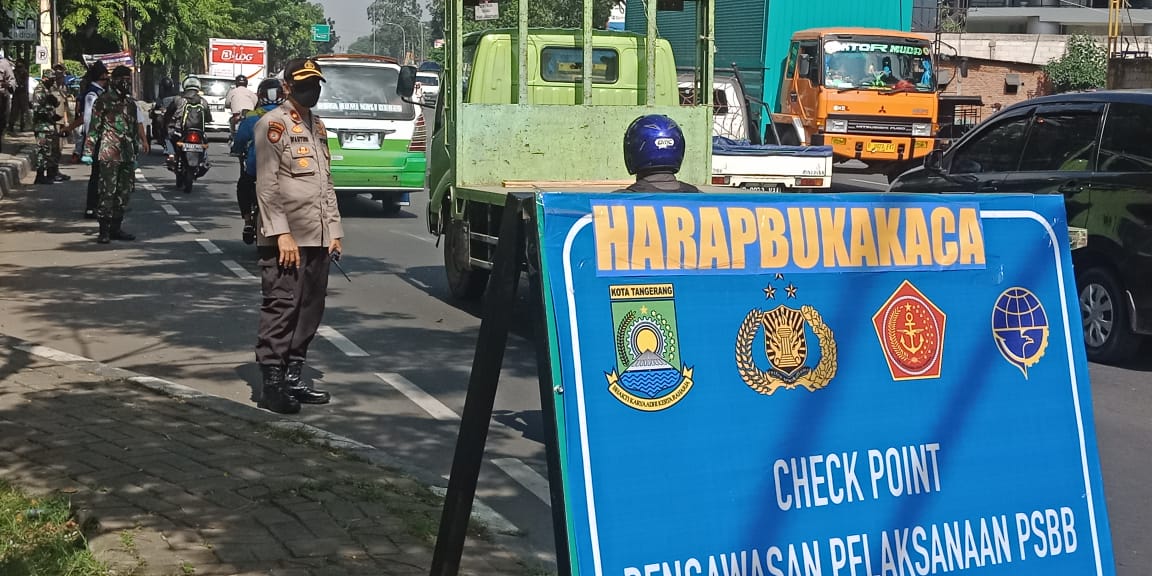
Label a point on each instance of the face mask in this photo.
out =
(122, 85)
(307, 95)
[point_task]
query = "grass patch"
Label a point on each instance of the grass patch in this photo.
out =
(39, 536)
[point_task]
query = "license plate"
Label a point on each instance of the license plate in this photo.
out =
(193, 148)
(761, 186)
(888, 147)
(361, 141)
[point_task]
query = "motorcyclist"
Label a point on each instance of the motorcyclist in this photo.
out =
(174, 116)
(270, 94)
(653, 151)
(239, 100)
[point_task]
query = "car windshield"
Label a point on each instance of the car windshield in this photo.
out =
(878, 65)
(357, 91)
(428, 80)
(215, 86)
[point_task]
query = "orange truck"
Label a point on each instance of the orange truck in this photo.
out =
(870, 94)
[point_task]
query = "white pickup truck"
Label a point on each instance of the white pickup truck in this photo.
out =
(740, 163)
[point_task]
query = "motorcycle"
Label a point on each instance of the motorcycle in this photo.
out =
(191, 161)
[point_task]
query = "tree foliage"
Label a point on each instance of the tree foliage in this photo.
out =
(1084, 65)
(176, 32)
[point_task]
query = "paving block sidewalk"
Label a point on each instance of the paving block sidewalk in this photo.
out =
(170, 488)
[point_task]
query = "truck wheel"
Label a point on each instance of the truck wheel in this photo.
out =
(1104, 312)
(464, 281)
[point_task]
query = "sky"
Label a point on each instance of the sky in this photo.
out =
(351, 18)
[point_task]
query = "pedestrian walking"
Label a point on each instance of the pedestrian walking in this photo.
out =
(20, 104)
(115, 138)
(298, 236)
(7, 89)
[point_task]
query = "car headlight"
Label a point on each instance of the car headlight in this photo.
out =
(837, 126)
(921, 129)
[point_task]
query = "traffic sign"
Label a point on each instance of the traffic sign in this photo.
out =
(819, 384)
(487, 11)
(321, 32)
(42, 55)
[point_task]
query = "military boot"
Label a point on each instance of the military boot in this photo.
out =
(274, 394)
(105, 231)
(303, 392)
(55, 177)
(41, 178)
(118, 233)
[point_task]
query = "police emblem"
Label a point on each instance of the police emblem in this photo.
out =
(911, 332)
(799, 348)
(649, 374)
(1020, 327)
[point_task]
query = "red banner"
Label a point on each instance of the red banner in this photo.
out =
(237, 54)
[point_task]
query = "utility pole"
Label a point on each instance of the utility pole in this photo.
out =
(56, 59)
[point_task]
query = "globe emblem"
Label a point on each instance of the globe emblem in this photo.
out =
(1020, 328)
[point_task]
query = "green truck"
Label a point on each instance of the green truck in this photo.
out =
(517, 112)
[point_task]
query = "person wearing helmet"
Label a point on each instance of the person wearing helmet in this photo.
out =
(239, 100)
(653, 152)
(188, 110)
(269, 96)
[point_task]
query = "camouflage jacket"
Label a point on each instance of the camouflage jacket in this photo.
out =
(114, 133)
(44, 117)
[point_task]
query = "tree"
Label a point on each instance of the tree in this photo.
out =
(1084, 65)
(397, 24)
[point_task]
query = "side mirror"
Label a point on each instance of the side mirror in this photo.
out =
(934, 162)
(805, 65)
(406, 82)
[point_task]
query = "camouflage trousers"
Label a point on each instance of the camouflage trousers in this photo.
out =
(47, 150)
(117, 179)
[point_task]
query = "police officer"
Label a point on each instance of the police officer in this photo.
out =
(116, 137)
(299, 233)
(653, 151)
(46, 125)
(269, 97)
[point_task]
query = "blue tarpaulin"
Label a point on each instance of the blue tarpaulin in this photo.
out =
(730, 147)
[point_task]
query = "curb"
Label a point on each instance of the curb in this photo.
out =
(253, 415)
(13, 169)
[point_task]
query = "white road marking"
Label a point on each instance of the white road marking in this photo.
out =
(186, 226)
(148, 185)
(338, 340)
(159, 197)
(208, 246)
(51, 353)
(872, 182)
(429, 403)
(170, 209)
(238, 270)
(416, 236)
(526, 476)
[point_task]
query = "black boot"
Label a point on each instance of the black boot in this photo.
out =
(118, 233)
(274, 394)
(41, 178)
(54, 176)
(105, 231)
(300, 390)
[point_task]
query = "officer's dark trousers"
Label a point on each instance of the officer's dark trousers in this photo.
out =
(93, 188)
(246, 193)
(293, 304)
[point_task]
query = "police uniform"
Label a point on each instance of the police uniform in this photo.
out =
(296, 196)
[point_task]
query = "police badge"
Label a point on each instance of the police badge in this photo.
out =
(788, 336)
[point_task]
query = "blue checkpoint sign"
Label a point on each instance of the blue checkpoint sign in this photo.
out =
(863, 385)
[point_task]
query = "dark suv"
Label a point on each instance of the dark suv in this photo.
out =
(1096, 150)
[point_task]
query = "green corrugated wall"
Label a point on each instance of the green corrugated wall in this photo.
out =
(739, 35)
(755, 33)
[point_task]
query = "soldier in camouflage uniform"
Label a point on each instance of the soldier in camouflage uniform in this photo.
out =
(115, 138)
(45, 123)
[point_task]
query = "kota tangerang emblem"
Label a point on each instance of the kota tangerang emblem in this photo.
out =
(786, 346)
(1020, 327)
(911, 332)
(649, 373)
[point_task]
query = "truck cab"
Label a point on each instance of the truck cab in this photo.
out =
(871, 94)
